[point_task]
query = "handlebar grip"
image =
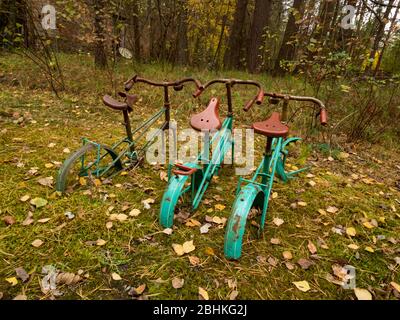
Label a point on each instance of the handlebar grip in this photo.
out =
(248, 105)
(260, 97)
(323, 117)
(198, 93)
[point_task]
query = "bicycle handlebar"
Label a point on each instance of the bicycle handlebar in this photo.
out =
(258, 99)
(178, 85)
(323, 112)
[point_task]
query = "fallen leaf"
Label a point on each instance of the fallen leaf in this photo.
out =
(369, 249)
(220, 207)
(302, 204)
(177, 283)
(68, 278)
(194, 261)
(304, 263)
(109, 225)
(396, 286)
(278, 222)
(139, 290)
(168, 231)
(134, 212)
(164, 176)
(49, 165)
(13, 281)
(332, 210)
(37, 243)
(272, 261)
(188, 247)
(287, 255)
(21, 297)
(362, 294)
(191, 223)
(47, 182)
(353, 246)
(9, 220)
(311, 183)
(25, 198)
(274, 195)
(67, 151)
(351, 232)
(82, 181)
(209, 251)
(100, 242)
(28, 220)
(218, 220)
(302, 286)
(234, 294)
(275, 241)
(38, 202)
(203, 294)
(205, 229)
(147, 202)
(178, 248)
(312, 248)
(368, 225)
(115, 276)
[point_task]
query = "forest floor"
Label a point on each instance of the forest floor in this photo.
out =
(350, 215)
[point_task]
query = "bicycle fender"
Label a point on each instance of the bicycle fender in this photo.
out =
(245, 201)
(171, 196)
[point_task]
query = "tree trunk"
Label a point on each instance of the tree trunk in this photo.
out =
(288, 46)
(136, 32)
(182, 45)
(379, 33)
(260, 21)
(100, 57)
(236, 40)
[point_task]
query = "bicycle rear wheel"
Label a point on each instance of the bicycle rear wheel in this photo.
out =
(92, 161)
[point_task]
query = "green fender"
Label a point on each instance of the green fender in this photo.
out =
(250, 196)
(171, 196)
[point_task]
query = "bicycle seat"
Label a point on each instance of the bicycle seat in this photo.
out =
(208, 119)
(118, 105)
(272, 128)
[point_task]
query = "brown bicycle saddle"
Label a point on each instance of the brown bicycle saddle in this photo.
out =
(273, 127)
(208, 119)
(130, 100)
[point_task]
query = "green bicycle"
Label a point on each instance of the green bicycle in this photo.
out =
(257, 191)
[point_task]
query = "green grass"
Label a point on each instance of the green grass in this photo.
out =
(137, 249)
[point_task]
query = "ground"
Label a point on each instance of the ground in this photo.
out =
(350, 216)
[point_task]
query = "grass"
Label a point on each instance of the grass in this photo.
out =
(137, 249)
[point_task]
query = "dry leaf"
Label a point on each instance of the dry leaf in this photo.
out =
(274, 195)
(100, 242)
(304, 263)
(82, 181)
(47, 182)
(302, 204)
(139, 290)
(68, 278)
(37, 243)
(351, 232)
(311, 183)
(38, 202)
(203, 294)
(353, 246)
(44, 220)
(368, 225)
(168, 231)
(28, 220)
(302, 286)
(396, 286)
(278, 222)
(177, 283)
(9, 220)
(188, 247)
(369, 249)
(362, 294)
(220, 207)
(25, 198)
(178, 248)
(312, 247)
(67, 151)
(209, 251)
(115, 276)
(234, 294)
(109, 225)
(194, 261)
(134, 212)
(287, 255)
(147, 202)
(164, 176)
(205, 229)
(218, 220)
(193, 223)
(332, 210)
(275, 241)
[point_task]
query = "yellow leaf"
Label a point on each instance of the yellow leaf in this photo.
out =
(82, 181)
(351, 232)
(203, 294)
(302, 285)
(302, 204)
(13, 281)
(188, 247)
(353, 246)
(124, 173)
(139, 290)
(49, 165)
(274, 195)
(369, 249)
(209, 251)
(25, 198)
(178, 249)
(193, 223)
(100, 242)
(287, 255)
(362, 294)
(368, 225)
(97, 182)
(134, 212)
(220, 207)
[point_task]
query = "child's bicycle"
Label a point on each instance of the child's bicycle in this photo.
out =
(256, 192)
(95, 160)
(202, 171)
